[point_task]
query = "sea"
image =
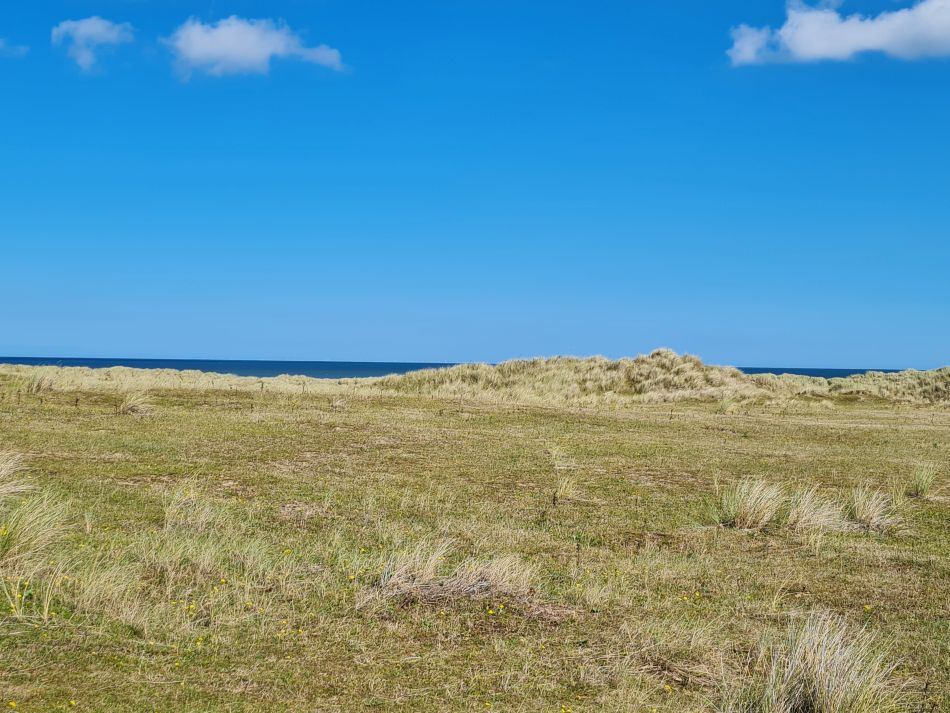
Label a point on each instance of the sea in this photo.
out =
(334, 369)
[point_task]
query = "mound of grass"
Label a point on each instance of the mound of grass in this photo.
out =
(911, 385)
(749, 504)
(135, 404)
(922, 481)
(660, 376)
(809, 510)
(824, 666)
(873, 509)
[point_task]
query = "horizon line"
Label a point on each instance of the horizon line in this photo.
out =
(431, 363)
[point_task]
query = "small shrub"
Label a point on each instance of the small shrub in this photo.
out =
(824, 666)
(749, 505)
(811, 511)
(921, 482)
(873, 510)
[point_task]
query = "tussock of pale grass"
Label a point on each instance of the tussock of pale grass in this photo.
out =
(873, 509)
(135, 404)
(824, 666)
(11, 464)
(809, 510)
(499, 576)
(566, 489)
(749, 504)
(29, 528)
(922, 480)
(38, 381)
(414, 576)
(105, 589)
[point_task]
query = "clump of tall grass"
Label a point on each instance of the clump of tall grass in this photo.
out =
(921, 481)
(824, 666)
(135, 404)
(105, 588)
(11, 464)
(566, 489)
(750, 504)
(29, 528)
(413, 575)
(809, 510)
(38, 382)
(873, 509)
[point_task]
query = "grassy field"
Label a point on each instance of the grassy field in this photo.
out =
(410, 544)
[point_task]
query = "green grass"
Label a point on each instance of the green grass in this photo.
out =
(337, 547)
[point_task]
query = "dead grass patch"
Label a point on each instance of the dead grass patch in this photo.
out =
(414, 576)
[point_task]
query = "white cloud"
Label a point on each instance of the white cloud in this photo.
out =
(813, 33)
(238, 46)
(85, 36)
(8, 50)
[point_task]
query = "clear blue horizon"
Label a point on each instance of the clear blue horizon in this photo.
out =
(470, 181)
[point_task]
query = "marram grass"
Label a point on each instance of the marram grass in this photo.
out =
(472, 541)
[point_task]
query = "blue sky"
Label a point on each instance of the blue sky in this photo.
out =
(450, 180)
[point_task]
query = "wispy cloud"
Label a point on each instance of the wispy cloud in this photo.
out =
(238, 46)
(8, 50)
(86, 36)
(822, 32)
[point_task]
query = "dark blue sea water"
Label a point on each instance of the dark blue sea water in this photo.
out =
(329, 369)
(824, 373)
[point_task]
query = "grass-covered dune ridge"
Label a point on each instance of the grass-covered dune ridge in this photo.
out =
(660, 376)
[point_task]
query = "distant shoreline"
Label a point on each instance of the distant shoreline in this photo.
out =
(335, 369)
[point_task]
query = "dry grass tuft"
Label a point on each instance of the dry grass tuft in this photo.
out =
(11, 464)
(749, 504)
(39, 381)
(824, 666)
(135, 404)
(922, 481)
(29, 528)
(566, 489)
(811, 511)
(873, 509)
(414, 576)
